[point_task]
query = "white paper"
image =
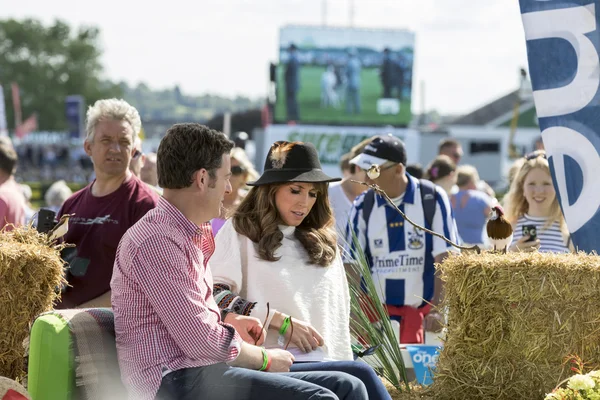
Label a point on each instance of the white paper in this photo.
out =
(313, 356)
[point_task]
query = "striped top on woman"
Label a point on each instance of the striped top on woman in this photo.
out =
(551, 238)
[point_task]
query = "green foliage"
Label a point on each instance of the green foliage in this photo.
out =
(52, 62)
(172, 104)
(49, 63)
(366, 306)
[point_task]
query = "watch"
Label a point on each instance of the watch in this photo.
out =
(224, 313)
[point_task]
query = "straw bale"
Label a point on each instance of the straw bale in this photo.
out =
(512, 319)
(30, 271)
(416, 392)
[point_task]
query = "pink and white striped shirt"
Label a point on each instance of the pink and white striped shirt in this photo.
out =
(165, 315)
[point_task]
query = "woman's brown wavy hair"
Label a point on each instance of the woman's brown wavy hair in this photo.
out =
(257, 218)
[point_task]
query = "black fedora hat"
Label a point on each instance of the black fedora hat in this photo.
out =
(292, 162)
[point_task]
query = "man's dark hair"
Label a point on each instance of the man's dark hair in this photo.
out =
(448, 142)
(415, 170)
(187, 148)
(8, 158)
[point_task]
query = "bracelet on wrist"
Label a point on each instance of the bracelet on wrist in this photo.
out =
(266, 360)
(284, 325)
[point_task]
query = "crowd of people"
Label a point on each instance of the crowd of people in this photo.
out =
(228, 284)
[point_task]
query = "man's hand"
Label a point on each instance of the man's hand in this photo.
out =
(249, 328)
(281, 360)
(434, 322)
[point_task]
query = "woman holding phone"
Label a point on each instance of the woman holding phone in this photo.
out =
(532, 207)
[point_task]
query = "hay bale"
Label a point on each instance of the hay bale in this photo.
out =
(416, 392)
(30, 271)
(512, 320)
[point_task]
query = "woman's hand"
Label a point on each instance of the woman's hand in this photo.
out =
(525, 244)
(303, 335)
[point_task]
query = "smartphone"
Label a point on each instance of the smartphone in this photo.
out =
(531, 231)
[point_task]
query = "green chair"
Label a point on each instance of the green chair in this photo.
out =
(72, 356)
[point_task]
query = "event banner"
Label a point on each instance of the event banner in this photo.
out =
(344, 76)
(563, 43)
(75, 113)
(332, 142)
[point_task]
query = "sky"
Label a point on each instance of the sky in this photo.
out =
(467, 52)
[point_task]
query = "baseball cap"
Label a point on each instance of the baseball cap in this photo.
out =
(381, 150)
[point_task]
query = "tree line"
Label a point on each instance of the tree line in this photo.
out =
(51, 62)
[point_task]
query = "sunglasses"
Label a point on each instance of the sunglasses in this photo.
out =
(381, 169)
(136, 154)
(535, 154)
(265, 327)
(237, 170)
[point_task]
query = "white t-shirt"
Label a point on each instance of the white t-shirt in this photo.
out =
(310, 293)
(341, 207)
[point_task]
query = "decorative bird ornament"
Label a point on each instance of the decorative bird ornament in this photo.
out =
(499, 230)
(374, 171)
(61, 228)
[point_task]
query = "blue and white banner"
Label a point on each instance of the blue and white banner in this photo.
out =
(563, 42)
(75, 113)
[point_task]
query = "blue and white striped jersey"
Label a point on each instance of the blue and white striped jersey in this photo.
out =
(401, 256)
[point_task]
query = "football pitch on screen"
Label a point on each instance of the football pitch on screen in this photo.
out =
(309, 100)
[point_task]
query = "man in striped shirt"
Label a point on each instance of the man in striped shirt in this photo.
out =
(171, 341)
(401, 256)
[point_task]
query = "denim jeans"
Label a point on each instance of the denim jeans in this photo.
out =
(359, 369)
(222, 382)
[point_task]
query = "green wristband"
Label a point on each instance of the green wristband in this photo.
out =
(284, 325)
(265, 360)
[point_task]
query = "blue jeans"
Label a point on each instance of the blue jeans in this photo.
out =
(359, 369)
(222, 382)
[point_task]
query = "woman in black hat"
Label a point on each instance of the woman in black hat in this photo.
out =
(279, 250)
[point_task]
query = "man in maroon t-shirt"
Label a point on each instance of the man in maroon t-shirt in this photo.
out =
(107, 207)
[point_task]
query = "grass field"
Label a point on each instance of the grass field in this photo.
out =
(309, 101)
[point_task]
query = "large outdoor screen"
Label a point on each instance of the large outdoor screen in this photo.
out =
(344, 76)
